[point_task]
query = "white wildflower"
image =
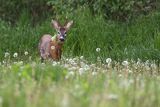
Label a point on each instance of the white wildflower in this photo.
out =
(108, 60)
(154, 66)
(125, 63)
(147, 67)
(112, 97)
(67, 59)
(75, 59)
(94, 73)
(4, 62)
(43, 63)
(15, 55)
(82, 64)
(58, 63)
(25, 53)
(20, 62)
(130, 71)
(147, 63)
(120, 75)
(81, 57)
(71, 73)
(138, 62)
(93, 65)
(54, 63)
(98, 49)
(6, 54)
(86, 67)
(14, 62)
(81, 71)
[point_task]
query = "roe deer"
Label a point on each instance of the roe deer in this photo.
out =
(51, 46)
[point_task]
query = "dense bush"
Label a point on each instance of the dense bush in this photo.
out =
(39, 9)
(11, 10)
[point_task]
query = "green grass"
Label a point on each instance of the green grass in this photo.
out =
(34, 84)
(137, 39)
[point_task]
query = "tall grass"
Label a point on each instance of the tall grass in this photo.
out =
(132, 40)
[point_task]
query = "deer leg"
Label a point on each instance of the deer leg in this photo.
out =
(42, 60)
(59, 54)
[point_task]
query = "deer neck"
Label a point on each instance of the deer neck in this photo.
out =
(58, 45)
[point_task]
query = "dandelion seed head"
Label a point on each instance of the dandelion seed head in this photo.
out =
(71, 73)
(120, 75)
(94, 73)
(6, 54)
(54, 63)
(20, 62)
(86, 67)
(15, 55)
(81, 57)
(147, 62)
(154, 66)
(81, 71)
(108, 60)
(147, 68)
(4, 62)
(125, 63)
(25, 53)
(130, 71)
(98, 49)
(112, 97)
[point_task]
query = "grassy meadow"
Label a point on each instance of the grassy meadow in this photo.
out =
(105, 63)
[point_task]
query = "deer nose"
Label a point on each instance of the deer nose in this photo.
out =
(61, 39)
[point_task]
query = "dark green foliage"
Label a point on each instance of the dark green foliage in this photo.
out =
(11, 10)
(124, 10)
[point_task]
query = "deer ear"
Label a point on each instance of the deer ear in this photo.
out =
(68, 25)
(55, 24)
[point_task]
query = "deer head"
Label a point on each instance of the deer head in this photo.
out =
(61, 30)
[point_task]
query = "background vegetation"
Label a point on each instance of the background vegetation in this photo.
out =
(121, 28)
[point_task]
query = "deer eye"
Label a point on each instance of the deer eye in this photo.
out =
(59, 32)
(65, 33)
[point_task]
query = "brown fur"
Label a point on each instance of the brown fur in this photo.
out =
(49, 48)
(45, 48)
